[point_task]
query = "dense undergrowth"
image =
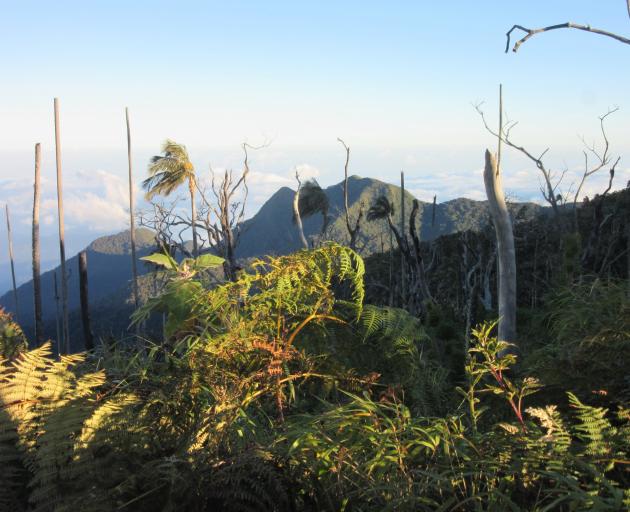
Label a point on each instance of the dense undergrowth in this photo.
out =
(285, 391)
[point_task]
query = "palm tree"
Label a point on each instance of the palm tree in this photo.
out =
(382, 209)
(314, 200)
(309, 199)
(168, 172)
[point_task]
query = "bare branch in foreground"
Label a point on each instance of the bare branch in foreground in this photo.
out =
(530, 32)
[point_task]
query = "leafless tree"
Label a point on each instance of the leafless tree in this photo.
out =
(132, 226)
(505, 249)
(420, 280)
(65, 330)
(222, 214)
(530, 32)
(416, 295)
(602, 159)
(88, 337)
(10, 245)
(37, 287)
(353, 231)
(167, 225)
(552, 180)
(219, 216)
(169, 228)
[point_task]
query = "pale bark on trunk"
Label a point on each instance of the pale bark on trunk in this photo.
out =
(352, 232)
(487, 293)
(505, 249)
(37, 288)
(132, 225)
(193, 212)
(10, 241)
(65, 343)
(296, 213)
(85, 303)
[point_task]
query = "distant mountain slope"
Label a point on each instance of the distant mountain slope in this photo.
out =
(109, 268)
(272, 231)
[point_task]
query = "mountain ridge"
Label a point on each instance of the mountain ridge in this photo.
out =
(270, 231)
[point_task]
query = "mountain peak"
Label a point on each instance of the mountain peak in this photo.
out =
(120, 243)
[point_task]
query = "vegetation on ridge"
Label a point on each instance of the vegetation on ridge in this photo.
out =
(283, 390)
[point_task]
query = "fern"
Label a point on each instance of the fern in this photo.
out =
(592, 427)
(249, 482)
(283, 391)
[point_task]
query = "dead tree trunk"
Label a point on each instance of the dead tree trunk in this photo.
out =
(10, 241)
(470, 286)
(57, 321)
(37, 287)
(193, 213)
(403, 275)
(85, 304)
(352, 231)
(132, 226)
(486, 300)
(505, 249)
(628, 230)
(296, 212)
(65, 342)
(391, 269)
(421, 277)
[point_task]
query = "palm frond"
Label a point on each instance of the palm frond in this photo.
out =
(381, 209)
(312, 199)
(168, 171)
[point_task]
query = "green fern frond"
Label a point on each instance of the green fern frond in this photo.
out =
(592, 427)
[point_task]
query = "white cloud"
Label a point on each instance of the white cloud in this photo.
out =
(93, 200)
(522, 184)
(267, 178)
(307, 171)
(410, 160)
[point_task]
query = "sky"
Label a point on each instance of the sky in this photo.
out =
(396, 80)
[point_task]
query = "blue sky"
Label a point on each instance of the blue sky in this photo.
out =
(396, 80)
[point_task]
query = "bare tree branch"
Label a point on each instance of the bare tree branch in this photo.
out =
(352, 231)
(223, 211)
(532, 32)
(602, 159)
(549, 192)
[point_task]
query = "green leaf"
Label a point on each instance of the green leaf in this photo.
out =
(207, 261)
(163, 260)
